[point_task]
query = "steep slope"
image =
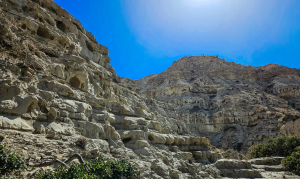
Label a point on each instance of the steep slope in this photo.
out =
(129, 84)
(235, 105)
(60, 96)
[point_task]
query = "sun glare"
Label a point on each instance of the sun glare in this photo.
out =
(197, 3)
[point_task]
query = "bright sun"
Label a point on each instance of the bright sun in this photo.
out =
(197, 3)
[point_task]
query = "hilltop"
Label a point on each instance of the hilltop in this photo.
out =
(234, 105)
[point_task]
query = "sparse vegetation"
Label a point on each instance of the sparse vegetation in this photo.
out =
(288, 147)
(94, 168)
(281, 146)
(10, 161)
(292, 162)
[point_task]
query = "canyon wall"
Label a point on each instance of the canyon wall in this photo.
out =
(60, 96)
(235, 106)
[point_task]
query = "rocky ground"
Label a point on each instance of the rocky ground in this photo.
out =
(60, 96)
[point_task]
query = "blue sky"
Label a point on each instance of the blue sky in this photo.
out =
(145, 36)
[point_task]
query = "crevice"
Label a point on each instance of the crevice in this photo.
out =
(78, 27)
(150, 138)
(25, 8)
(43, 32)
(89, 46)
(61, 26)
(24, 26)
(126, 140)
(75, 82)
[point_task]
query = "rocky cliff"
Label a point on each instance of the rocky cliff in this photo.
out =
(235, 106)
(60, 96)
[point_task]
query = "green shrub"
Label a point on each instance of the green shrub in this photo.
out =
(10, 161)
(292, 162)
(94, 168)
(281, 146)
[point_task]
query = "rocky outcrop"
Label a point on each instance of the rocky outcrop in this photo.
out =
(235, 106)
(268, 167)
(60, 96)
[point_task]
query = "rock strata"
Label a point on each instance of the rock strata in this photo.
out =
(235, 106)
(60, 96)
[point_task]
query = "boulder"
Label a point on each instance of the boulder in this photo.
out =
(13, 122)
(41, 129)
(61, 128)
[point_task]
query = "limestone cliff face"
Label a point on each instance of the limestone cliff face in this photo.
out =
(235, 105)
(60, 96)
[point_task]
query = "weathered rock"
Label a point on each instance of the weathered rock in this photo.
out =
(255, 168)
(98, 144)
(160, 168)
(234, 105)
(41, 129)
(64, 129)
(267, 161)
(291, 128)
(57, 80)
(233, 164)
(206, 156)
(12, 122)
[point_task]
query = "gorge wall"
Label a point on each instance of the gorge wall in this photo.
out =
(235, 106)
(60, 96)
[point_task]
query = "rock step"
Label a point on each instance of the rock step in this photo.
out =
(241, 173)
(286, 175)
(270, 167)
(267, 161)
(206, 157)
(233, 164)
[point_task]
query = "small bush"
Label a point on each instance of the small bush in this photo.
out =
(292, 162)
(281, 146)
(94, 168)
(10, 161)
(233, 154)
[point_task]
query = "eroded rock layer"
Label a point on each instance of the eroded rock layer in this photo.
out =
(60, 96)
(236, 106)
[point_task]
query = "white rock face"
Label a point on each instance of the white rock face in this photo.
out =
(17, 123)
(63, 97)
(235, 106)
(59, 95)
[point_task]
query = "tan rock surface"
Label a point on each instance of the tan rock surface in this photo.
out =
(235, 106)
(59, 95)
